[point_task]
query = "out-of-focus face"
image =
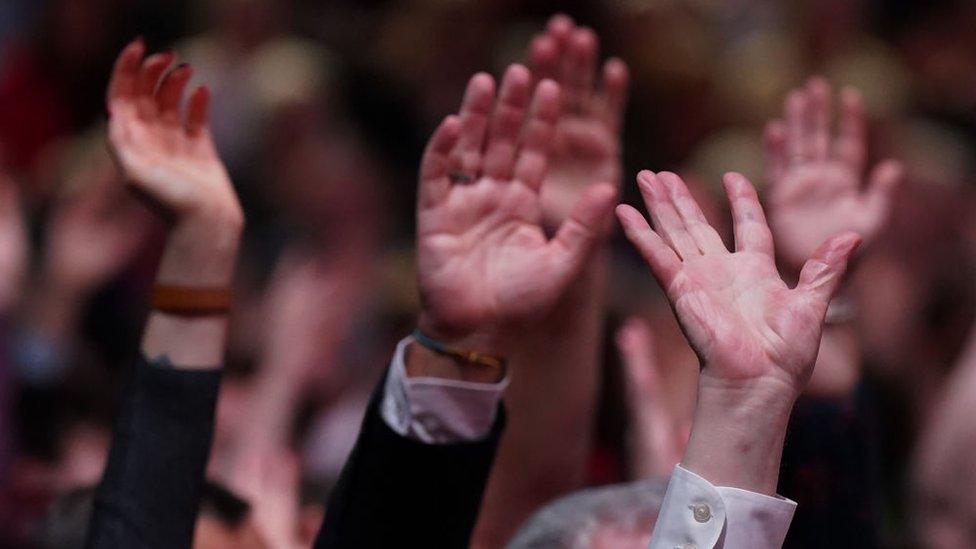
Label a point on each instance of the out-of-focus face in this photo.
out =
(213, 534)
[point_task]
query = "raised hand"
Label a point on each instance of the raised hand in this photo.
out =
(657, 438)
(743, 321)
(485, 263)
(310, 306)
(816, 178)
(586, 140)
(170, 157)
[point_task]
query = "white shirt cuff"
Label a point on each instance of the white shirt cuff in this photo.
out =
(438, 411)
(696, 514)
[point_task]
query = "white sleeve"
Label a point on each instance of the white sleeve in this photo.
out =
(697, 515)
(438, 411)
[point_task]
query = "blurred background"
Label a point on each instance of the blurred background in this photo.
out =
(320, 110)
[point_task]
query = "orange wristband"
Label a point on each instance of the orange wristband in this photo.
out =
(189, 301)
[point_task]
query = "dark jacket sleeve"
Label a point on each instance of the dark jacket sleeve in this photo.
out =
(398, 492)
(830, 468)
(150, 490)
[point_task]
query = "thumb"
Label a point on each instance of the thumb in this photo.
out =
(584, 227)
(822, 273)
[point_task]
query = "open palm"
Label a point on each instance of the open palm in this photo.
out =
(586, 140)
(166, 155)
(485, 263)
(816, 180)
(736, 311)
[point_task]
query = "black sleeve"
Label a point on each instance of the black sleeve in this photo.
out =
(398, 492)
(150, 490)
(829, 468)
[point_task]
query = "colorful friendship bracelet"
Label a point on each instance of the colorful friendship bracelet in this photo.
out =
(472, 357)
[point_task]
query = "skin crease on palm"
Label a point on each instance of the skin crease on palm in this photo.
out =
(486, 264)
(816, 178)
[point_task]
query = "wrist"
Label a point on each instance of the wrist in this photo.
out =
(201, 251)
(747, 393)
(424, 362)
(738, 432)
(485, 340)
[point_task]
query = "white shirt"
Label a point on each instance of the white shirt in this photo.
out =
(436, 410)
(695, 514)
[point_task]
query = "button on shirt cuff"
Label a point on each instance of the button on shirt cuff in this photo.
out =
(438, 411)
(697, 515)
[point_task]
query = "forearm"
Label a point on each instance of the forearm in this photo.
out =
(198, 254)
(552, 401)
(722, 494)
(738, 433)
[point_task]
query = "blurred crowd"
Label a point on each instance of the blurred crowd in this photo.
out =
(320, 112)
